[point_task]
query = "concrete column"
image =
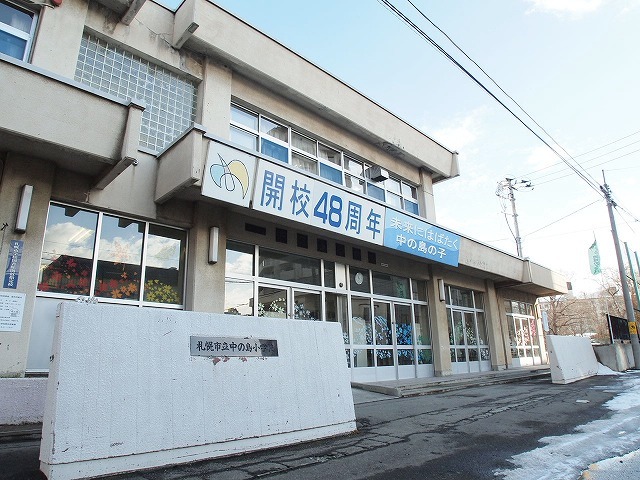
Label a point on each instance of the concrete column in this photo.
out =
(205, 281)
(18, 171)
(439, 327)
(497, 329)
(215, 99)
(542, 342)
(58, 39)
(425, 196)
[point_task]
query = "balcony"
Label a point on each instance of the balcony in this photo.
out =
(59, 120)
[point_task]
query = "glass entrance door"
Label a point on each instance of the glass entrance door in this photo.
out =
(467, 338)
(384, 340)
(405, 354)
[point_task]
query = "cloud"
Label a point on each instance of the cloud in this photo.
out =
(67, 239)
(572, 8)
(541, 158)
(459, 133)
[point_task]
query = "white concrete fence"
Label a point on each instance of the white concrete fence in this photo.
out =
(131, 388)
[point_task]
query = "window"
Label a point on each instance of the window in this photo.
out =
(170, 99)
(390, 285)
(17, 27)
(275, 284)
(273, 139)
(401, 195)
(289, 267)
(90, 253)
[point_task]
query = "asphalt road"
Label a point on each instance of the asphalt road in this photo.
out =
(465, 434)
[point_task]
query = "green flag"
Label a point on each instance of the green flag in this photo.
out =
(594, 258)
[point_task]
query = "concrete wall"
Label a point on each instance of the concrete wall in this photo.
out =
(571, 358)
(22, 400)
(17, 172)
(125, 393)
(613, 356)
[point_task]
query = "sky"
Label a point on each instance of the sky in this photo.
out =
(572, 65)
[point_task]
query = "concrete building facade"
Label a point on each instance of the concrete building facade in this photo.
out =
(185, 160)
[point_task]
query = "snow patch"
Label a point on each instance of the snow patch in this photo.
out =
(566, 456)
(603, 370)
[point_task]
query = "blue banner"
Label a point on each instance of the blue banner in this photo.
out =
(411, 235)
(13, 264)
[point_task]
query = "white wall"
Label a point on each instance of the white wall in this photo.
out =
(22, 400)
(124, 392)
(571, 358)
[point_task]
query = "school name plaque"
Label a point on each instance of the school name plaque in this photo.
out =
(233, 347)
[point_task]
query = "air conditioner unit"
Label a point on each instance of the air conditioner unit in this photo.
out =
(377, 174)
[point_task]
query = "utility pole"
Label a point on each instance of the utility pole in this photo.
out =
(510, 184)
(516, 230)
(633, 276)
(631, 318)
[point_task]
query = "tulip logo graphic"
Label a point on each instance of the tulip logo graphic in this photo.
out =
(230, 175)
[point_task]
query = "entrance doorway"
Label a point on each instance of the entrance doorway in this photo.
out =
(469, 351)
(468, 343)
(524, 334)
(383, 338)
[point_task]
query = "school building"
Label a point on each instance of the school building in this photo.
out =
(185, 160)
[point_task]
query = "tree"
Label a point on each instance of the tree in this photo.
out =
(586, 315)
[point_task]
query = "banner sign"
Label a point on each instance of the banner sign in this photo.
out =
(594, 258)
(228, 174)
(411, 235)
(295, 196)
(13, 264)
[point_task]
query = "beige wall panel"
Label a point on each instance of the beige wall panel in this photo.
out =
(180, 166)
(439, 327)
(497, 330)
(58, 38)
(132, 191)
(205, 282)
(149, 36)
(19, 171)
(215, 99)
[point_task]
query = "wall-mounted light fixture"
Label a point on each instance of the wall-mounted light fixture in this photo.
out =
(441, 291)
(214, 234)
(23, 209)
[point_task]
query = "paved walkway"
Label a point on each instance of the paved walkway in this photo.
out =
(424, 386)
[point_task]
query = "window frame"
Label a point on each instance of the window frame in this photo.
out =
(171, 97)
(342, 165)
(144, 263)
(28, 37)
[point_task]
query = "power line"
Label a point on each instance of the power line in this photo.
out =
(592, 166)
(561, 218)
(584, 176)
(584, 162)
